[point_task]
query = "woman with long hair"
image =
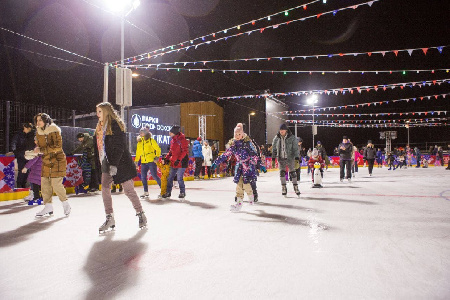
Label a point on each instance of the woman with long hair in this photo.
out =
(49, 144)
(115, 161)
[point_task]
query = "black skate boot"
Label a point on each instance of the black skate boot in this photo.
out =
(142, 219)
(255, 197)
(181, 196)
(109, 223)
(120, 188)
(297, 191)
(283, 190)
(166, 195)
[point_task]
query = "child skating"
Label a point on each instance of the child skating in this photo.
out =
(246, 161)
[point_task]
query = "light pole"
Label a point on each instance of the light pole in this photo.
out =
(249, 115)
(121, 6)
(407, 127)
(312, 101)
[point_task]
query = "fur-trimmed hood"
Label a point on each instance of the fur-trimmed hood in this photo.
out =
(232, 141)
(48, 129)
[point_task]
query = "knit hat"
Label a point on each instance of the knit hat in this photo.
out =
(199, 139)
(175, 129)
(319, 143)
(284, 127)
(239, 130)
(345, 137)
(80, 135)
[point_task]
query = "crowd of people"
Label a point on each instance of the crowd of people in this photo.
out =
(105, 158)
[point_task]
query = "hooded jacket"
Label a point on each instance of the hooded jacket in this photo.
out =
(197, 149)
(291, 146)
(147, 150)
(178, 151)
(49, 141)
(370, 153)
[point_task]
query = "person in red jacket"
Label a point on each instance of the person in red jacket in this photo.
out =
(178, 159)
(315, 157)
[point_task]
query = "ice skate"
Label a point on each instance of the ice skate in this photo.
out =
(120, 188)
(255, 197)
(236, 207)
(349, 180)
(145, 196)
(297, 191)
(166, 195)
(181, 196)
(67, 208)
(251, 199)
(29, 197)
(48, 209)
(109, 223)
(142, 219)
(283, 190)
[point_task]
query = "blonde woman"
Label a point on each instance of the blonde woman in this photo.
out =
(116, 164)
(49, 144)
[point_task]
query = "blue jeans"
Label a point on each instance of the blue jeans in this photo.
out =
(153, 170)
(180, 173)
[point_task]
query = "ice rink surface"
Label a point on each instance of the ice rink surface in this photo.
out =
(380, 237)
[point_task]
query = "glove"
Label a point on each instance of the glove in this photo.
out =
(176, 163)
(24, 170)
(273, 163)
(113, 170)
(297, 164)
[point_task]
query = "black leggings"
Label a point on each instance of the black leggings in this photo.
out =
(36, 191)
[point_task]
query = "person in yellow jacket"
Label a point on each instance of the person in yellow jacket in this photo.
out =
(147, 151)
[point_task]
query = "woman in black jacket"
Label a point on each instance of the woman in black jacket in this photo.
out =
(369, 155)
(112, 155)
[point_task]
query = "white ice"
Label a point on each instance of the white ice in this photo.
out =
(380, 237)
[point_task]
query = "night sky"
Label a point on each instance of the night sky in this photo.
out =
(81, 27)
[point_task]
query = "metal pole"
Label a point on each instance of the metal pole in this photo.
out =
(105, 82)
(313, 128)
(408, 135)
(296, 130)
(249, 125)
(122, 57)
(73, 118)
(8, 120)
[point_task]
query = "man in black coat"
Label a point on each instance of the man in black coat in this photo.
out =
(21, 142)
(345, 153)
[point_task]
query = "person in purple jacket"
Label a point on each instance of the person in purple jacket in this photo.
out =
(34, 164)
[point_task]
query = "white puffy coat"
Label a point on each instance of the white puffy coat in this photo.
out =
(207, 156)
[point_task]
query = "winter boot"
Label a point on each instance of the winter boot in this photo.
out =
(142, 219)
(237, 207)
(283, 190)
(66, 207)
(48, 209)
(297, 191)
(109, 223)
(145, 196)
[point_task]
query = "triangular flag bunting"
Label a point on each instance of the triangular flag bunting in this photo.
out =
(425, 50)
(410, 51)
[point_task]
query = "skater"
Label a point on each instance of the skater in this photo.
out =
(316, 158)
(207, 159)
(285, 149)
(147, 151)
(178, 159)
(308, 156)
(369, 156)
(49, 144)
(90, 174)
(418, 156)
(440, 156)
(115, 162)
(246, 161)
(255, 147)
(198, 156)
(21, 142)
(345, 154)
(34, 165)
(379, 158)
(215, 153)
(391, 161)
(165, 170)
(356, 155)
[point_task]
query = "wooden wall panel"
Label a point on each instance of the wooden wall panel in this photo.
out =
(214, 125)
